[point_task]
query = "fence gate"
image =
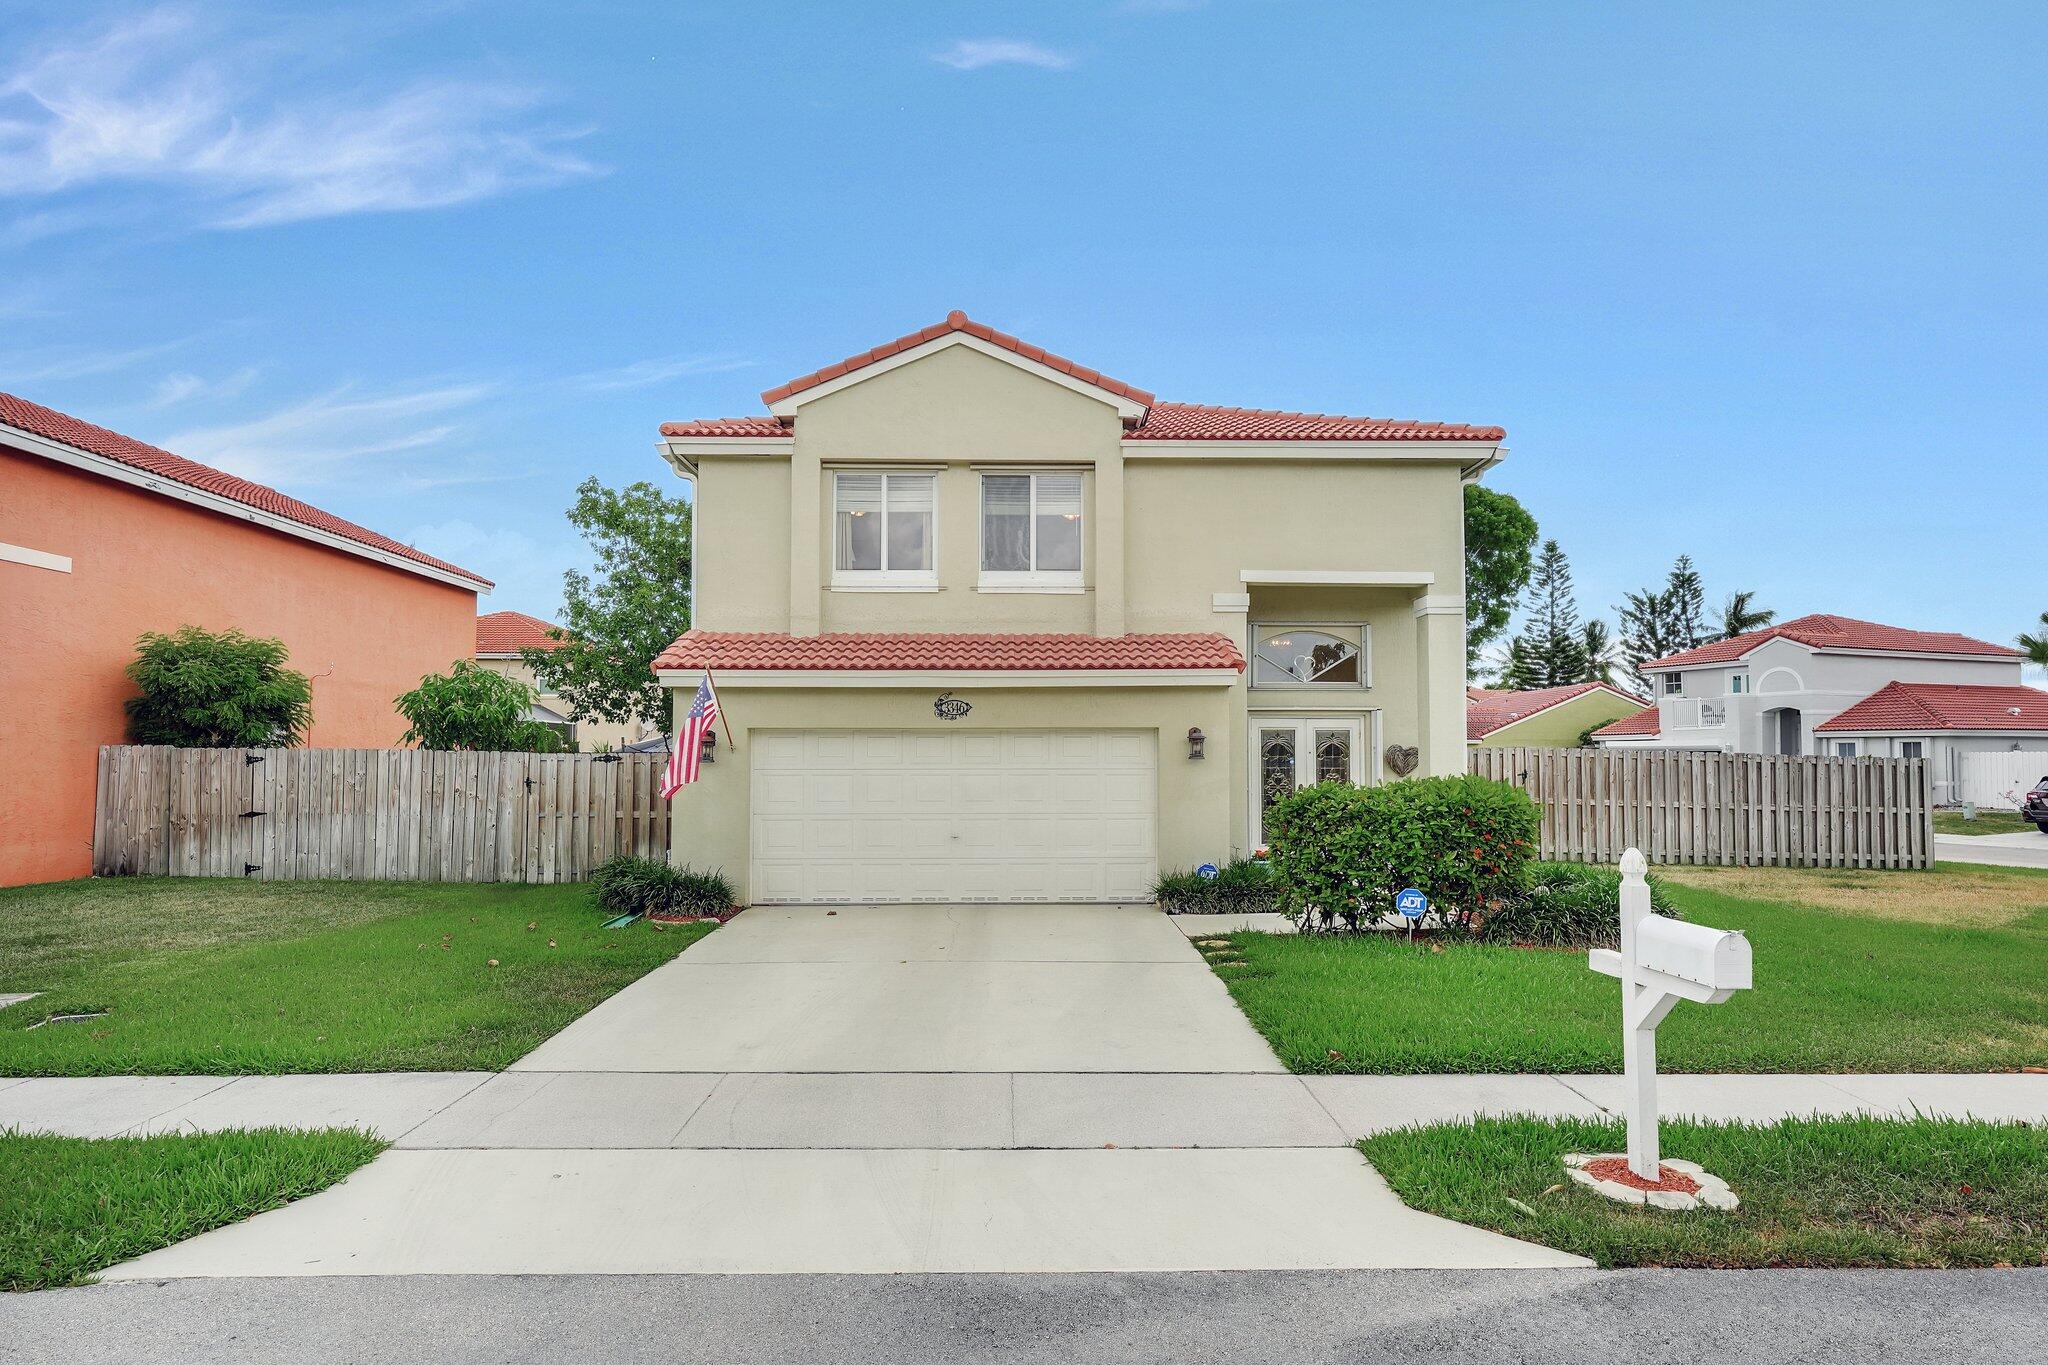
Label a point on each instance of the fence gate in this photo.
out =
(373, 814)
(1996, 781)
(1746, 810)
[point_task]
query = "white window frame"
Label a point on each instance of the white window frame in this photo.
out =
(886, 579)
(1674, 685)
(1738, 684)
(1843, 748)
(1031, 580)
(1365, 742)
(1261, 629)
(1919, 747)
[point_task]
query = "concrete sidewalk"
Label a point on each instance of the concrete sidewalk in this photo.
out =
(966, 1110)
(2025, 849)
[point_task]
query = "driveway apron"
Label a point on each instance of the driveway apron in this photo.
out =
(877, 1090)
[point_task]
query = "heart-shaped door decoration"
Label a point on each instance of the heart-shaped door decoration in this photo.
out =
(1402, 758)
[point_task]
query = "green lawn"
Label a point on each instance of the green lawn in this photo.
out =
(1987, 822)
(1855, 971)
(1814, 1192)
(70, 1207)
(229, 977)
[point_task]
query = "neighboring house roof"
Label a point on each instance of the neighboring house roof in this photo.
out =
(743, 651)
(1642, 725)
(1159, 422)
(502, 634)
(65, 430)
(957, 321)
(1488, 710)
(1913, 708)
(1835, 633)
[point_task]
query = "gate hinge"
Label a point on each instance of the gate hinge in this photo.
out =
(251, 814)
(248, 868)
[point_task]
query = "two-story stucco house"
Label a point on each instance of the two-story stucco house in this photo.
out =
(990, 625)
(1838, 686)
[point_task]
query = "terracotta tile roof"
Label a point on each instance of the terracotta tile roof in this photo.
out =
(897, 653)
(957, 321)
(1195, 422)
(1914, 707)
(727, 426)
(52, 425)
(1834, 632)
(1642, 723)
(1492, 710)
(508, 632)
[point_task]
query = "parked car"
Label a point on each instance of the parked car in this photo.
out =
(2034, 806)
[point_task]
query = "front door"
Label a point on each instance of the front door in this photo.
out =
(1298, 751)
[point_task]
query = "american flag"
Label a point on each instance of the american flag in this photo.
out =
(682, 764)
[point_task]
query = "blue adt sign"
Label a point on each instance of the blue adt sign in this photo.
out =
(1411, 903)
(1207, 872)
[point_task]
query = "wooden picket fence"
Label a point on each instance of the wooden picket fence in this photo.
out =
(1746, 810)
(373, 814)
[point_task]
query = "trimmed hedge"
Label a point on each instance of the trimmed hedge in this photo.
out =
(1340, 854)
(625, 885)
(1241, 887)
(1567, 905)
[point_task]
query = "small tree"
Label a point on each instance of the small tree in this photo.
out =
(470, 707)
(1500, 540)
(201, 690)
(613, 624)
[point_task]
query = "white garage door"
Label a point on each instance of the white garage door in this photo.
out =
(954, 815)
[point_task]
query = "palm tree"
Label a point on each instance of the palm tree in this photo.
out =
(1599, 647)
(2036, 646)
(1738, 617)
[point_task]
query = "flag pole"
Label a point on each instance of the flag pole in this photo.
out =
(725, 724)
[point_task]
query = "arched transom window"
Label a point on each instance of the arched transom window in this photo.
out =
(1304, 656)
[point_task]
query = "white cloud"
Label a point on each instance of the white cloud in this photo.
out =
(642, 373)
(160, 98)
(528, 575)
(972, 54)
(173, 389)
(334, 435)
(80, 364)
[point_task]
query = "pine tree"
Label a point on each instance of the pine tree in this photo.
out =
(1519, 672)
(1688, 599)
(1647, 632)
(1551, 640)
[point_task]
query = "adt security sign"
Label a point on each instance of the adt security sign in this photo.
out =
(1207, 872)
(1412, 904)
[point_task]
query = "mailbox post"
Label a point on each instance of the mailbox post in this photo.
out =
(1661, 962)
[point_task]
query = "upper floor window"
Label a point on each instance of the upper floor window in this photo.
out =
(1738, 683)
(882, 528)
(1300, 656)
(1673, 684)
(1031, 530)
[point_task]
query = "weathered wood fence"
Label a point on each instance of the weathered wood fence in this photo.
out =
(1744, 810)
(373, 814)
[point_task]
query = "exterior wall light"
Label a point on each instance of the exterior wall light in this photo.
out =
(704, 754)
(1196, 739)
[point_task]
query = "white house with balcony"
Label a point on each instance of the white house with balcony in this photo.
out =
(1838, 686)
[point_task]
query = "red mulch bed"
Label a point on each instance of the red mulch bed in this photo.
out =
(1615, 1168)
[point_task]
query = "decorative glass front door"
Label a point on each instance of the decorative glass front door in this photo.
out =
(1296, 751)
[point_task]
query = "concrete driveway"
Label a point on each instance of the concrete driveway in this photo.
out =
(922, 988)
(877, 1091)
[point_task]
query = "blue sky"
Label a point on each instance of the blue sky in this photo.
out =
(1764, 284)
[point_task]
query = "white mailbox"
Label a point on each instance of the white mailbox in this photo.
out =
(1661, 962)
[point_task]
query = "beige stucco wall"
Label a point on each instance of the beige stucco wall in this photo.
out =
(1195, 802)
(590, 734)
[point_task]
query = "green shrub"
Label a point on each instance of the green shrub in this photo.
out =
(1566, 905)
(200, 690)
(471, 707)
(1340, 854)
(1239, 887)
(625, 885)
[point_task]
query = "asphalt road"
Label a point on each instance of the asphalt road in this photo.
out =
(1289, 1318)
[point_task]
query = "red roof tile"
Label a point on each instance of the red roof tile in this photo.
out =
(727, 426)
(1916, 707)
(1642, 723)
(898, 653)
(1492, 710)
(957, 321)
(1834, 632)
(1195, 422)
(52, 425)
(508, 632)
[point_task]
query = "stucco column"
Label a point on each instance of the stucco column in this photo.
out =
(1109, 543)
(805, 479)
(1440, 684)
